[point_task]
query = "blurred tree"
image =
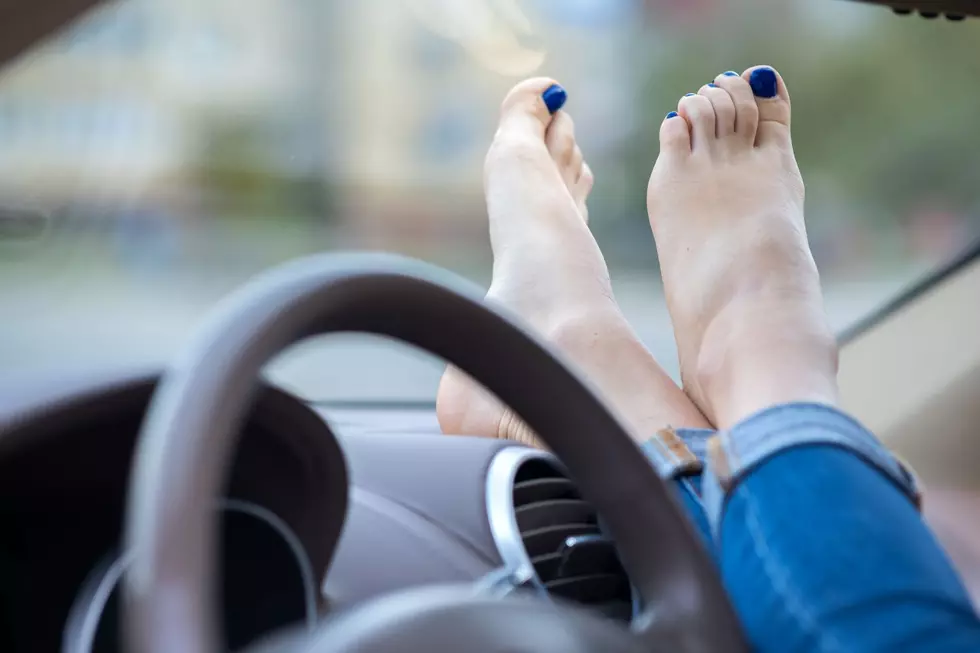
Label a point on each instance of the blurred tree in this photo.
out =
(893, 114)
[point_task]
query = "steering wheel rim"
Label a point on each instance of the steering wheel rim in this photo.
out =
(188, 437)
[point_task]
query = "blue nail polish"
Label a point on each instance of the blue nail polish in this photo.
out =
(672, 114)
(688, 94)
(730, 73)
(712, 85)
(764, 82)
(554, 97)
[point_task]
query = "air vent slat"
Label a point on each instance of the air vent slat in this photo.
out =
(558, 511)
(549, 540)
(558, 530)
(618, 610)
(547, 566)
(594, 588)
(599, 559)
(543, 489)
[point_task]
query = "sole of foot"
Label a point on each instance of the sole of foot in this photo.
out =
(725, 200)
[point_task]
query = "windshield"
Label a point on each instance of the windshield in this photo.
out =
(159, 153)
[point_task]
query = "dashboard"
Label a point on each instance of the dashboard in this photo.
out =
(307, 529)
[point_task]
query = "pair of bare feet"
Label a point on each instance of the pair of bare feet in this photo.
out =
(725, 201)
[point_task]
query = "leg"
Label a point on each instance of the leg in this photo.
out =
(820, 543)
(549, 271)
(823, 550)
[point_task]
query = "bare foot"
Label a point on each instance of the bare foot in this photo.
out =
(548, 269)
(726, 206)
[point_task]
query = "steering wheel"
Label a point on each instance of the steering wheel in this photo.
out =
(187, 441)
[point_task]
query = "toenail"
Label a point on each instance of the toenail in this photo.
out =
(764, 82)
(712, 85)
(672, 114)
(554, 97)
(688, 94)
(730, 73)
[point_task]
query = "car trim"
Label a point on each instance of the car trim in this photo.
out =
(911, 293)
(500, 508)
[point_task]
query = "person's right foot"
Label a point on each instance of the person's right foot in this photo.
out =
(726, 206)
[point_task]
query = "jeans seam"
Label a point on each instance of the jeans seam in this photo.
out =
(686, 482)
(778, 578)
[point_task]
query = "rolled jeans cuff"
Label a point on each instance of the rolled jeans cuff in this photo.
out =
(733, 454)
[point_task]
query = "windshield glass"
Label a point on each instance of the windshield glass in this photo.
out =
(158, 153)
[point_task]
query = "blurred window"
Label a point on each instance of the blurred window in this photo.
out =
(235, 135)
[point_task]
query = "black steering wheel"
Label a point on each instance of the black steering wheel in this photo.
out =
(186, 445)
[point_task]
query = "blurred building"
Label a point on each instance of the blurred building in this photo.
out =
(112, 108)
(390, 104)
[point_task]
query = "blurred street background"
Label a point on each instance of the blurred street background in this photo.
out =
(161, 152)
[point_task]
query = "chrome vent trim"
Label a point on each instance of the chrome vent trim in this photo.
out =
(548, 536)
(500, 507)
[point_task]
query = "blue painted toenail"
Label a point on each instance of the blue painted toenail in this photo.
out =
(554, 97)
(712, 85)
(764, 82)
(672, 114)
(730, 73)
(688, 94)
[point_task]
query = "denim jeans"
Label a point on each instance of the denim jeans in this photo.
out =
(816, 531)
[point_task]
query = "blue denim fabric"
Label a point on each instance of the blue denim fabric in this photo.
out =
(735, 452)
(819, 542)
(686, 477)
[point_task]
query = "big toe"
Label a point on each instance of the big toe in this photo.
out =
(530, 105)
(519, 155)
(772, 98)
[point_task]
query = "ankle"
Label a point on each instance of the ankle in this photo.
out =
(747, 363)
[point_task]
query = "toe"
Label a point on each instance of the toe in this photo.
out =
(573, 170)
(583, 185)
(518, 147)
(772, 99)
(746, 109)
(699, 113)
(531, 104)
(560, 139)
(675, 135)
(582, 188)
(724, 108)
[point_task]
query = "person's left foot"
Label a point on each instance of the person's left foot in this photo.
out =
(549, 270)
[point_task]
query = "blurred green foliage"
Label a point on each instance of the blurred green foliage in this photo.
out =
(236, 175)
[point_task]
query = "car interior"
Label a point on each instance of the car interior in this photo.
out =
(198, 507)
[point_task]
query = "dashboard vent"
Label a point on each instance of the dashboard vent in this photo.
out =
(543, 523)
